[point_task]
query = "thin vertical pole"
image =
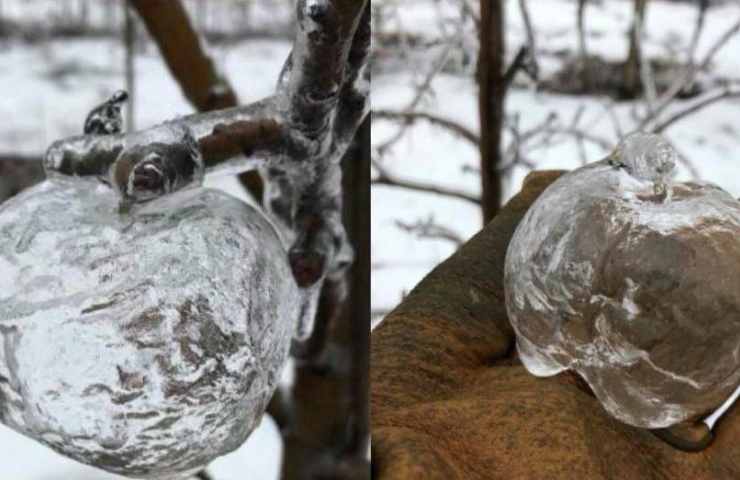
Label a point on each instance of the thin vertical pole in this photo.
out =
(129, 39)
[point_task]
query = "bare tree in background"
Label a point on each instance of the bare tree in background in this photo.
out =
(632, 65)
(491, 98)
(129, 42)
(502, 141)
(494, 78)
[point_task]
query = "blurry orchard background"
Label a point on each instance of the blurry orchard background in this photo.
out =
(457, 127)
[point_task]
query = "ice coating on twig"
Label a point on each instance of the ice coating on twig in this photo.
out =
(153, 167)
(106, 119)
(93, 155)
(137, 343)
(638, 296)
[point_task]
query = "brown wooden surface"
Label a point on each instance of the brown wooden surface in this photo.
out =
(449, 401)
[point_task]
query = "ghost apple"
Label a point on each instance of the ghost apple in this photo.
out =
(145, 344)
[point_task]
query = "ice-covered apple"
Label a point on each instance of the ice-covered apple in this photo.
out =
(147, 343)
(633, 282)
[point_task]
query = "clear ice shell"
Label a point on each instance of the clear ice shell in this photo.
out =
(145, 345)
(640, 297)
(168, 159)
(647, 156)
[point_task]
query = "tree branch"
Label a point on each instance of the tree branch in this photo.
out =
(705, 101)
(533, 68)
(168, 23)
(421, 91)
(429, 229)
(582, 50)
(492, 83)
(386, 178)
(326, 81)
(688, 77)
(517, 64)
(410, 117)
(329, 431)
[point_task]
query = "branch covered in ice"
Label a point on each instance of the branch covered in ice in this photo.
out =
(296, 138)
(327, 86)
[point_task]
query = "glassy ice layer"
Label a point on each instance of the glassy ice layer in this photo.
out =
(647, 156)
(144, 344)
(638, 293)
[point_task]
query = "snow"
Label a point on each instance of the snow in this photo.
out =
(50, 88)
(24, 459)
(709, 138)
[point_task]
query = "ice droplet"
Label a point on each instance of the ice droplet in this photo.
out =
(647, 156)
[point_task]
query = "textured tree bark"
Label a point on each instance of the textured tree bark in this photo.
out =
(451, 401)
(491, 96)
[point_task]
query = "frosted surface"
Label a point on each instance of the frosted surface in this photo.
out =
(144, 344)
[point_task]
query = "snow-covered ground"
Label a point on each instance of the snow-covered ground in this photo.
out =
(710, 139)
(39, 106)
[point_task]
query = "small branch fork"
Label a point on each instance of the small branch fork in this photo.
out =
(296, 137)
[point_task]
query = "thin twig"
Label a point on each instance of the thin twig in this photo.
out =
(470, 10)
(410, 117)
(688, 77)
(705, 101)
(702, 6)
(609, 107)
(647, 78)
(517, 64)
(384, 177)
(579, 136)
(421, 91)
(582, 52)
(429, 229)
(534, 68)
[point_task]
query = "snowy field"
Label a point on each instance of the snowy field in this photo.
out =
(710, 139)
(49, 88)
